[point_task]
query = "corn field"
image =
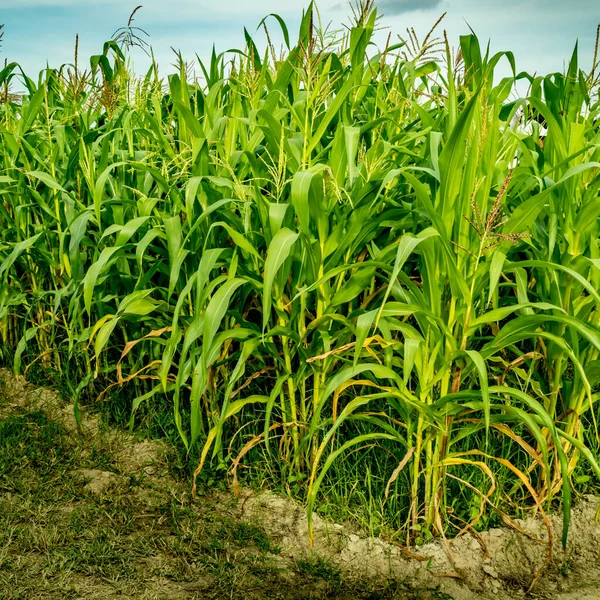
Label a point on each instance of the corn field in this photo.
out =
(333, 261)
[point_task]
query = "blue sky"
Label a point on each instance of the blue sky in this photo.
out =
(541, 33)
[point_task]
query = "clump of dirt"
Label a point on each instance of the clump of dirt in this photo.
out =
(98, 482)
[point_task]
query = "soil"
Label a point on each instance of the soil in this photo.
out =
(251, 546)
(500, 563)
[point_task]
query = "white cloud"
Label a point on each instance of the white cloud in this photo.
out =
(397, 7)
(541, 33)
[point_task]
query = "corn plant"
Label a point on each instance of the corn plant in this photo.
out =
(308, 254)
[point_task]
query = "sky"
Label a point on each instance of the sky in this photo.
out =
(540, 33)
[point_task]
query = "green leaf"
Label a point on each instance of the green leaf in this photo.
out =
(47, 179)
(279, 251)
(215, 312)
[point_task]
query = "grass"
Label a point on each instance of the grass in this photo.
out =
(362, 274)
(143, 539)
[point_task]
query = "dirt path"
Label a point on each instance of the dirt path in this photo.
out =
(97, 514)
